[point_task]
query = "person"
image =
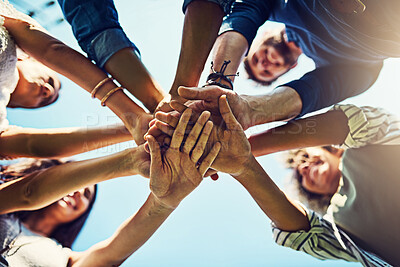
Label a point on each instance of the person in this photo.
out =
(346, 41)
(96, 27)
(361, 220)
(173, 175)
(38, 44)
(25, 82)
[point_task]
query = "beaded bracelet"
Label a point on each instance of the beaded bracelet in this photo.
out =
(104, 99)
(100, 84)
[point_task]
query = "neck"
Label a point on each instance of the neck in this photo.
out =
(41, 224)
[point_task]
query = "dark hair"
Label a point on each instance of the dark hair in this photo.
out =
(278, 42)
(66, 233)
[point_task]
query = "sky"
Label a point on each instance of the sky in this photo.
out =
(219, 224)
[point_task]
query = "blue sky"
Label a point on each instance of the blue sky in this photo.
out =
(218, 224)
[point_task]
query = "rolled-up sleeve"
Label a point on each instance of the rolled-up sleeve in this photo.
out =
(224, 4)
(320, 241)
(247, 16)
(96, 28)
(369, 125)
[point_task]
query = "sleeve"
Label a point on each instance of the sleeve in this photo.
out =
(224, 4)
(320, 241)
(370, 126)
(96, 27)
(247, 16)
(329, 85)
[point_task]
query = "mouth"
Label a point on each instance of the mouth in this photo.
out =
(70, 201)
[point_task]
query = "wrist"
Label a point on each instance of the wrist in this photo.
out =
(248, 167)
(160, 205)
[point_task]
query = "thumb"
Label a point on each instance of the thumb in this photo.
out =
(204, 93)
(155, 152)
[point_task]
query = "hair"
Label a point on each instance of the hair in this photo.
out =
(314, 201)
(65, 233)
(278, 42)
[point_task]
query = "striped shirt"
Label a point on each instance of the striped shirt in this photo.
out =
(367, 126)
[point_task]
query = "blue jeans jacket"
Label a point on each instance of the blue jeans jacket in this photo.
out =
(96, 28)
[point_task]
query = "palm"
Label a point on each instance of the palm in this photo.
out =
(177, 170)
(176, 173)
(235, 149)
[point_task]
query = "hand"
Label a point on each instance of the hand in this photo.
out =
(235, 148)
(176, 173)
(139, 126)
(164, 104)
(208, 97)
(136, 161)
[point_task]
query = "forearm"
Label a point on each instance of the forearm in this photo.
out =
(128, 238)
(323, 129)
(283, 103)
(274, 203)
(201, 25)
(230, 46)
(127, 69)
(68, 62)
(61, 142)
(40, 189)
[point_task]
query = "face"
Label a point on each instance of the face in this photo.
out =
(72, 206)
(268, 59)
(320, 171)
(37, 85)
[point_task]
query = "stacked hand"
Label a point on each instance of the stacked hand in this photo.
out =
(235, 149)
(177, 172)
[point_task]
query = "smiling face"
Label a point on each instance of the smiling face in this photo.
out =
(319, 171)
(37, 86)
(271, 57)
(72, 206)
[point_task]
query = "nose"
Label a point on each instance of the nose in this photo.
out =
(304, 168)
(275, 58)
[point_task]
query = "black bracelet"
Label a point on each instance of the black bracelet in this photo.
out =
(216, 77)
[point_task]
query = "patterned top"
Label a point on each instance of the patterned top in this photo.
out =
(325, 240)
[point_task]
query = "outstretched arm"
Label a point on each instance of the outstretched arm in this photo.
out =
(61, 142)
(323, 129)
(40, 189)
(202, 22)
(68, 62)
(173, 175)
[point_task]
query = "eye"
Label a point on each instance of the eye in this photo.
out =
(51, 82)
(87, 193)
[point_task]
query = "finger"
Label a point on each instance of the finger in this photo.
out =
(226, 113)
(195, 93)
(208, 161)
(151, 123)
(195, 132)
(153, 131)
(210, 172)
(178, 106)
(146, 147)
(202, 142)
(155, 152)
(165, 107)
(179, 132)
(167, 118)
(165, 128)
(214, 176)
